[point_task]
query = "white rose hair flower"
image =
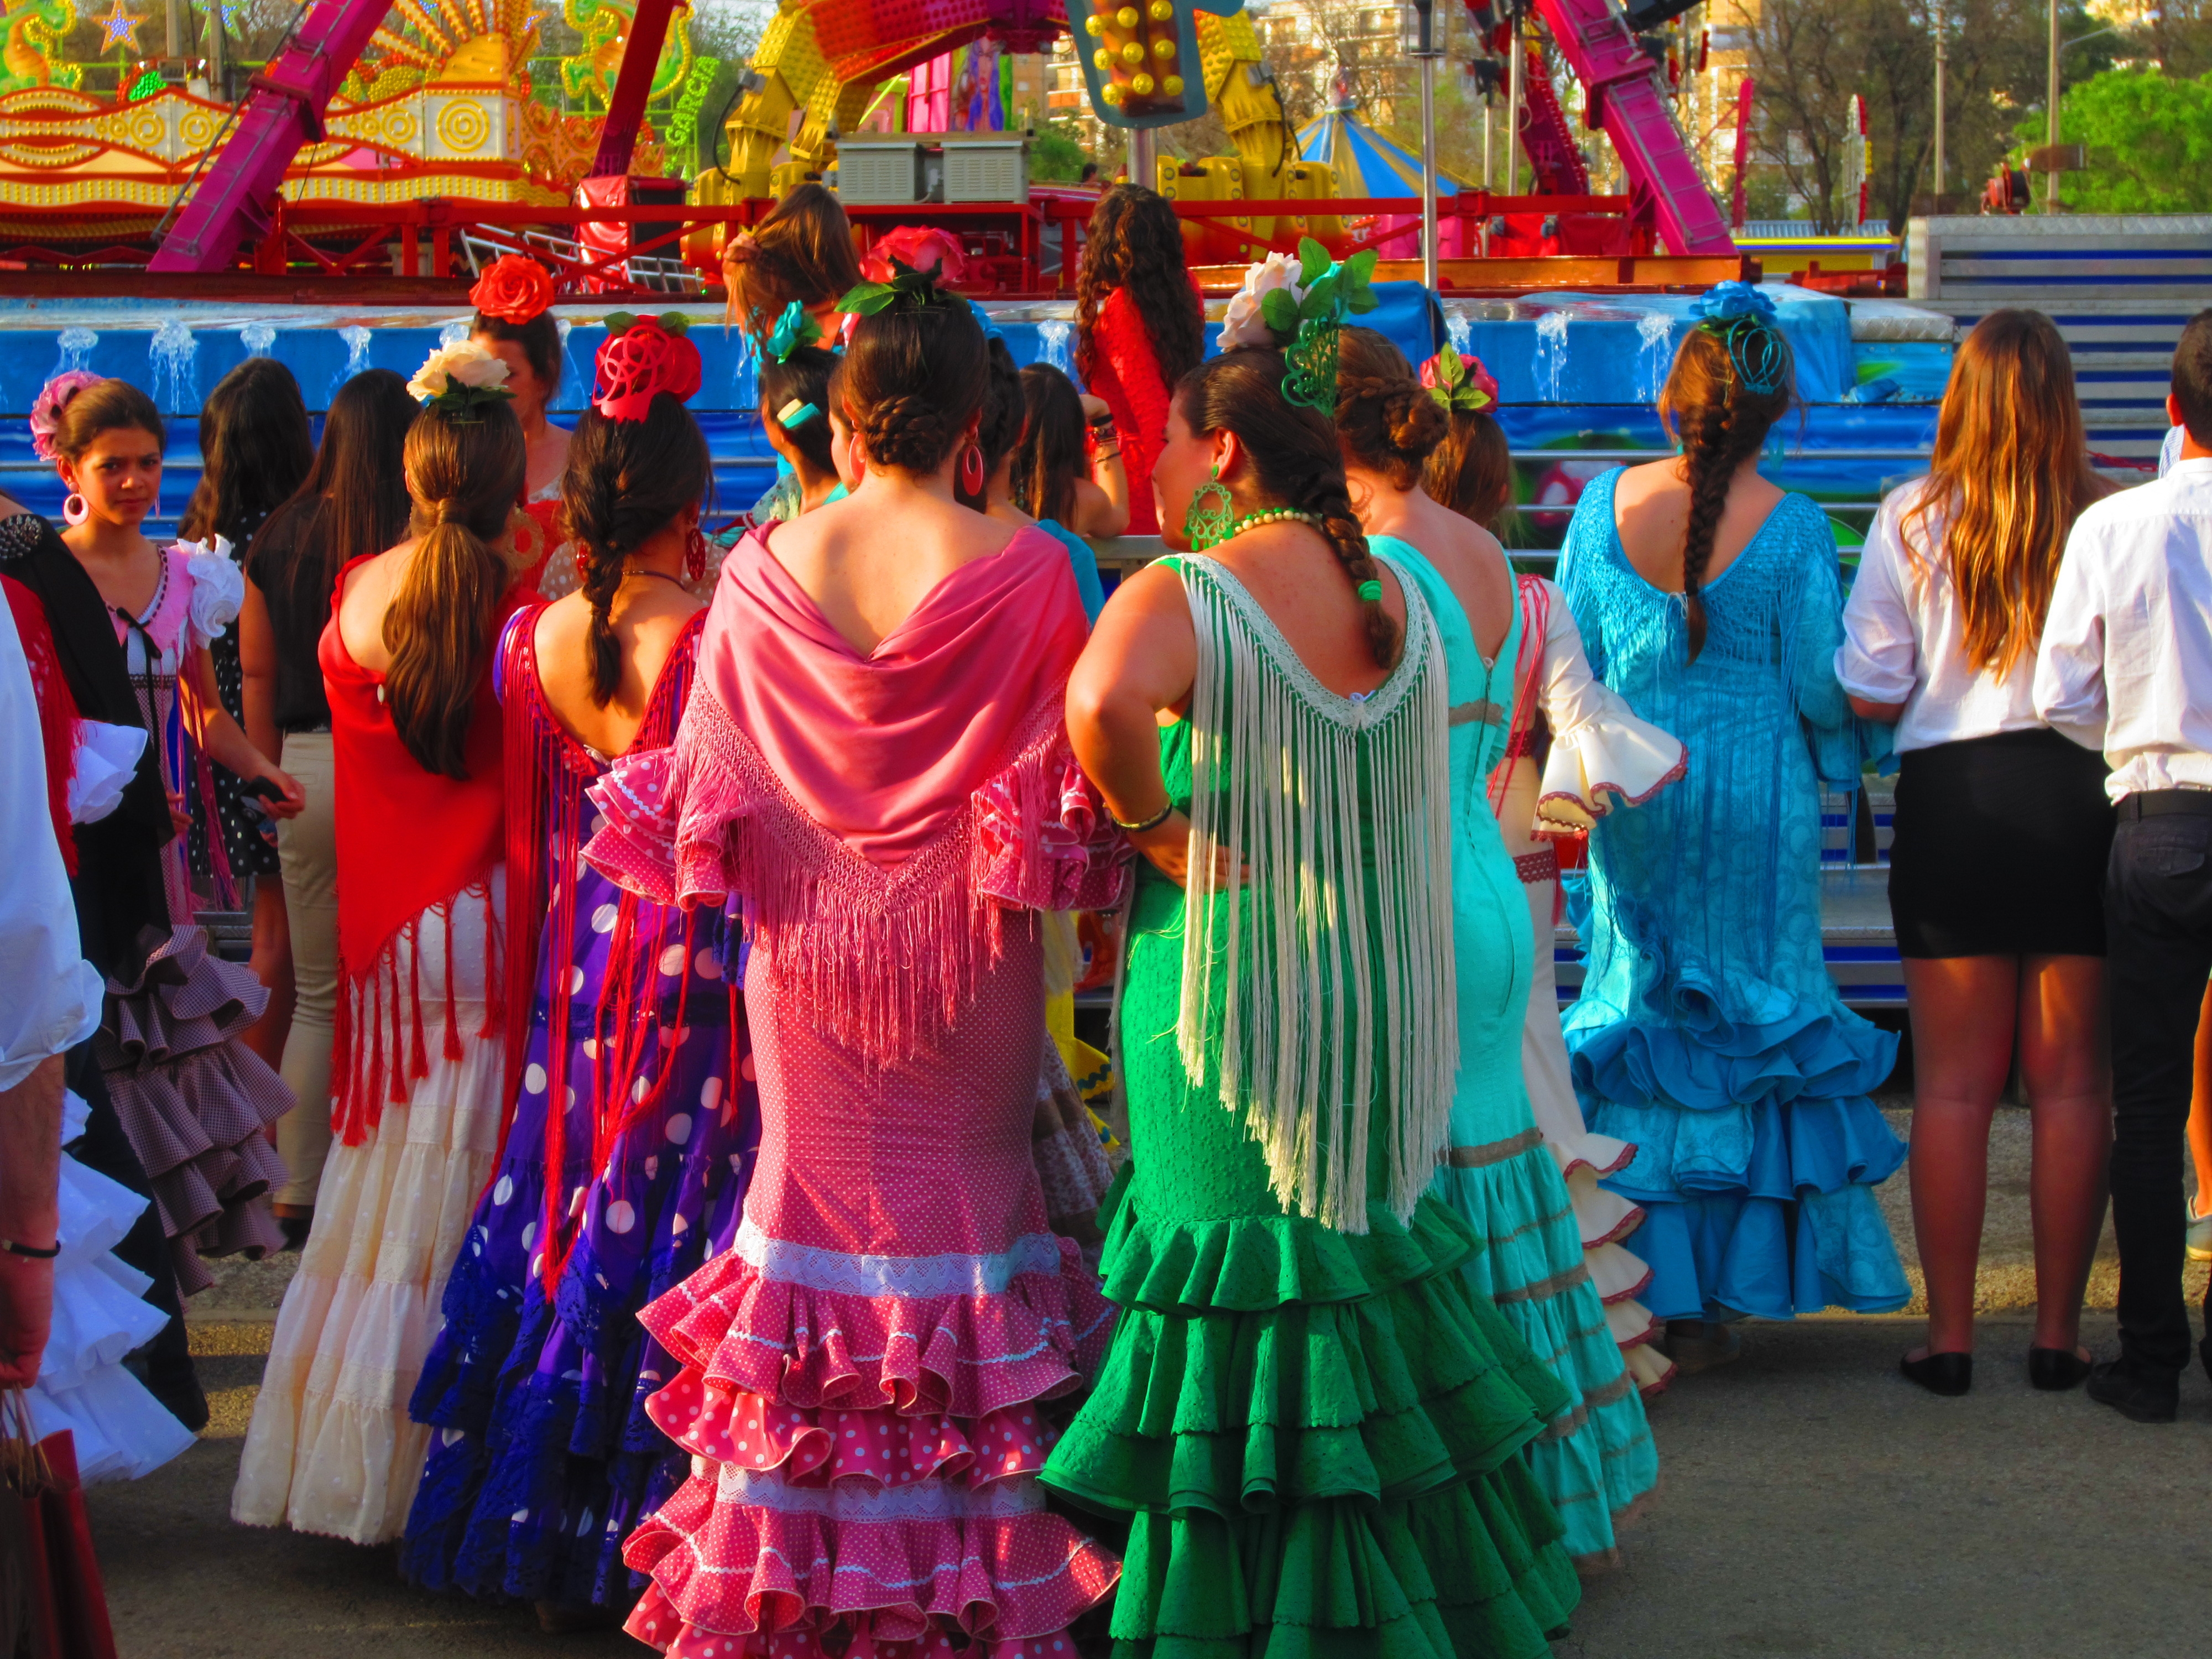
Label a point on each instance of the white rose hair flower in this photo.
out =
(1243, 324)
(459, 378)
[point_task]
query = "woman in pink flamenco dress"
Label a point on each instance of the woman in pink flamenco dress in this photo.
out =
(873, 771)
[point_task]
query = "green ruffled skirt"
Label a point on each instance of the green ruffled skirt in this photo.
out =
(1318, 1437)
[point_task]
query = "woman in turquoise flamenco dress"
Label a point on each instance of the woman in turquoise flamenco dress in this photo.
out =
(1313, 1422)
(1708, 1031)
(1594, 1459)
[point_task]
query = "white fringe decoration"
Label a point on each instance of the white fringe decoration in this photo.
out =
(1327, 989)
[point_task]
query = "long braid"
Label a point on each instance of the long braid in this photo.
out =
(1328, 496)
(1722, 423)
(601, 570)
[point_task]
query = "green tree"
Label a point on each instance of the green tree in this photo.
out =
(1056, 153)
(2149, 140)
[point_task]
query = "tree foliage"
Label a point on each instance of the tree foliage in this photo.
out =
(2149, 140)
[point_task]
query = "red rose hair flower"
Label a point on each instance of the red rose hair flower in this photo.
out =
(512, 288)
(641, 357)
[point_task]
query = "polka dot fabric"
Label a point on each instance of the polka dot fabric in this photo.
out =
(860, 1372)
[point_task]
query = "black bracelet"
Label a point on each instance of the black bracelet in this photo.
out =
(29, 1251)
(1152, 822)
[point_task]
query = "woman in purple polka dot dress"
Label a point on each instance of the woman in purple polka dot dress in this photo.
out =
(544, 1460)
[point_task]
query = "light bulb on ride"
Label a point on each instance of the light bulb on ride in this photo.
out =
(1134, 53)
(1127, 17)
(1172, 86)
(1112, 93)
(1164, 48)
(1141, 84)
(1102, 60)
(1095, 25)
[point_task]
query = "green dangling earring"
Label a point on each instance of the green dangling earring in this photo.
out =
(1212, 517)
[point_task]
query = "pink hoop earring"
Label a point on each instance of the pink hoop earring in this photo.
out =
(75, 510)
(971, 469)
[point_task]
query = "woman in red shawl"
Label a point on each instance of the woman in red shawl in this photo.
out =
(420, 1071)
(873, 770)
(1138, 329)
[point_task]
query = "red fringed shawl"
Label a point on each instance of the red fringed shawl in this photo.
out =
(410, 843)
(547, 772)
(58, 714)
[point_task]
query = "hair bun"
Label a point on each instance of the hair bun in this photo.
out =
(908, 432)
(1416, 424)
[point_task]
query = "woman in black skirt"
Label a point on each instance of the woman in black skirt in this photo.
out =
(1996, 875)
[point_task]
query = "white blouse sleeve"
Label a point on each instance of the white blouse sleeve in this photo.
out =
(218, 590)
(1879, 660)
(1599, 748)
(106, 761)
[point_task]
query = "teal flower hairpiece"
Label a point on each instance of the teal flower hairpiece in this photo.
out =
(1745, 320)
(1334, 290)
(794, 329)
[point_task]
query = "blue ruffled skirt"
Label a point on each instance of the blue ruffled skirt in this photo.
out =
(1757, 1147)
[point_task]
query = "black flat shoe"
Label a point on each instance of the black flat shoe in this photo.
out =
(2054, 1371)
(1941, 1373)
(2141, 1399)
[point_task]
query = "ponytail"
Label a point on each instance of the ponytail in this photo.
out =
(465, 477)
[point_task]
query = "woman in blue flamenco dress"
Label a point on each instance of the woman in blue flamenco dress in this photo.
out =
(544, 1460)
(1708, 1033)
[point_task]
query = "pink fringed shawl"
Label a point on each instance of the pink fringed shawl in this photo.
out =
(876, 814)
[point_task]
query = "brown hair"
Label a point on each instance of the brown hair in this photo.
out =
(915, 375)
(1721, 422)
(255, 446)
(804, 375)
(627, 482)
(2191, 379)
(1005, 406)
(1135, 242)
(106, 406)
(1295, 459)
(540, 340)
(2010, 474)
(1385, 419)
(354, 499)
(465, 478)
(1471, 471)
(1050, 456)
(802, 251)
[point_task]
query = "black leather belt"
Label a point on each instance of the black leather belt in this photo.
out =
(2161, 803)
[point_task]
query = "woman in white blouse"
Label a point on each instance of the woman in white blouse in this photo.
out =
(1996, 875)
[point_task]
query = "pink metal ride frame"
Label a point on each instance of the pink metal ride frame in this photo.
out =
(1618, 78)
(283, 110)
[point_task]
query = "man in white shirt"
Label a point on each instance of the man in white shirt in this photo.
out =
(2126, 666)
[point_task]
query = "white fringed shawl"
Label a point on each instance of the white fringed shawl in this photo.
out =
(1321, 996)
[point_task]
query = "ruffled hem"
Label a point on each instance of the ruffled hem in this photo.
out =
(197, 1104)
(1383, 1391)
(1252, 1263)
(742, 1554)
(1595, 1457)
(1619, 756)
(958, 1354)
(1472, 1570)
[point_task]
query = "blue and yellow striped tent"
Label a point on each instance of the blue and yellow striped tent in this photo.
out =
(1365, 163)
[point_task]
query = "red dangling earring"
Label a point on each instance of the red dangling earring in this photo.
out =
(695, 554)
(971, 469)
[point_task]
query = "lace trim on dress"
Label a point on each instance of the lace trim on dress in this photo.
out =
(912, 1276)
(851, 1501)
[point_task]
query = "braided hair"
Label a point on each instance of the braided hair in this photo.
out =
(627, 482)
(914, 374)
(1295, 460)
(1721, 422)
(1385, 419)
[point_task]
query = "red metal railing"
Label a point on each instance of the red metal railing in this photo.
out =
(1007, 241)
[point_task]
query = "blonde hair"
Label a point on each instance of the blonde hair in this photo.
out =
(2010, 474)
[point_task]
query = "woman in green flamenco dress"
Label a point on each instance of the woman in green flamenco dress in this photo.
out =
(1312, 1421)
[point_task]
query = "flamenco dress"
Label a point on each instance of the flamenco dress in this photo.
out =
(419, 1075)
(543, 1460)
(198, 1106)
(865, 1371)
(1313, 1422)
(1595, 1460)
(1124, 370)
(1574, 749)
(1708, 1033)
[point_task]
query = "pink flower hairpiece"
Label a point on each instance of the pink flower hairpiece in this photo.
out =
(1459, 383)
(46, 410)
(643, 357)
